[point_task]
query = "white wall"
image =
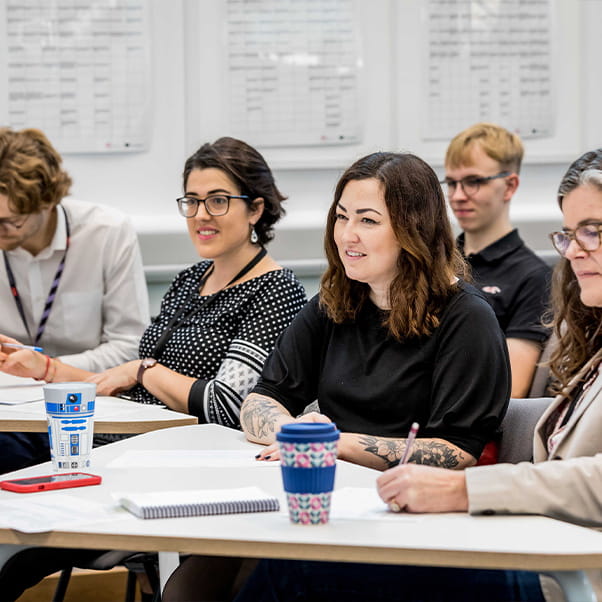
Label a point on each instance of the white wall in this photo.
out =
(146, 184)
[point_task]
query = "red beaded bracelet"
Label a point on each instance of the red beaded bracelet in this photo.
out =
(47, 368)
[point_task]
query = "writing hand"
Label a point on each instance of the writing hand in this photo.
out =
(417, 488)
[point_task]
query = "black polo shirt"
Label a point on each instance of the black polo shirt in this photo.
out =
(516, 282)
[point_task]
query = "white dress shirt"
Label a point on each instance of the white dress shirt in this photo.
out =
(101, 305)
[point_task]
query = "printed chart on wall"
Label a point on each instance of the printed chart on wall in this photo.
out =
(488, 61)
(293, 70)
(80, 71)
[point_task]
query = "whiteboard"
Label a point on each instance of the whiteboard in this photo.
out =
(392, 80)
(79, 71)
(561, 143)
(206, 46)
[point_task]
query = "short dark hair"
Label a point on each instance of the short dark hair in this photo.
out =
(428, 259)
(30, 171)
(249, 170)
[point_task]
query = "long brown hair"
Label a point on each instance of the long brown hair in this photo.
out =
(576, 325)
(428, 259)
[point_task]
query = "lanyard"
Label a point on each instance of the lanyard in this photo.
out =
(182, 315)
(51, 293)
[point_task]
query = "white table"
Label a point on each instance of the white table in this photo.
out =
(111, 415)
(498, 542)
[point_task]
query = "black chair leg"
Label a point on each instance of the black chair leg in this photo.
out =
(130, 587)
(61, 586)
(153, 576)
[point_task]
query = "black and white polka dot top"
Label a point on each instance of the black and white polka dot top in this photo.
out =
(225, 343)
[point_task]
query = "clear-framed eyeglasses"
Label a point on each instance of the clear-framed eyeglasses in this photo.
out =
(215, 204)
(587, 238)
(13, 223)
(470, 184)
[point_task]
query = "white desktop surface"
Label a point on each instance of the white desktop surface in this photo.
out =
(111, 415)
(508, 542)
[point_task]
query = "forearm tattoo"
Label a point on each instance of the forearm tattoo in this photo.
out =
(424, 451)
(436, 453)
(389, 451)
(259, 415)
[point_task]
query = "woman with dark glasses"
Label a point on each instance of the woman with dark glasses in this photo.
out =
(220, 318)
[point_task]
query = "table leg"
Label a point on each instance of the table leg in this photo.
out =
(575, 585)
(168, 563)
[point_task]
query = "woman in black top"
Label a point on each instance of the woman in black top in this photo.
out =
(394, 336)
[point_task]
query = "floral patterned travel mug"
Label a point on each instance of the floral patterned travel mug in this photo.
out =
(308, 453)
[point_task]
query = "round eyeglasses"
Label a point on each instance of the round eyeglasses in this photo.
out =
(215, 204)
(11, 223)
(587, 238)
(470, 184)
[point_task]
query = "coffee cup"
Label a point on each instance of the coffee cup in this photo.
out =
(308, 452)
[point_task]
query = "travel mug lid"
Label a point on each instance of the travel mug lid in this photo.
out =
(308, 432)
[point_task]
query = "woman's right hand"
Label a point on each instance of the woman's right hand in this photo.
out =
(21, 362)
(115, 380)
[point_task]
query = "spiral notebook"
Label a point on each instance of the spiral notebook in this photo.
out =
(200, 502)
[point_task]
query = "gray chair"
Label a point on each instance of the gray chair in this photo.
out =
(518, 427)
(541, 378)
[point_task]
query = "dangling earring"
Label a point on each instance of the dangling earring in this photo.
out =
(254, 237)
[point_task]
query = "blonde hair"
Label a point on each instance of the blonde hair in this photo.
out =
(496, 142)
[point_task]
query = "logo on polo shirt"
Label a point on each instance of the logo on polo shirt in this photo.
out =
(492, 290)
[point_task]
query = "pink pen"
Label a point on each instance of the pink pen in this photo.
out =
(393, 505)
(409, 443)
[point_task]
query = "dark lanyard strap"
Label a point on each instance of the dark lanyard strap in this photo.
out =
(182, 314)
(51, 293)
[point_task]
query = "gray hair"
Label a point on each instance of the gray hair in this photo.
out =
(579, 174)
(591, 177)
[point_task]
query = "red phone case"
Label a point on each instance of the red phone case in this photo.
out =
(51, 481)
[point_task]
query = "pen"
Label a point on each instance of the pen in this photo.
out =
(17, 346)
(409, 443)
(394, 506)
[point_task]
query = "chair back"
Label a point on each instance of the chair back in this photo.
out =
(541, 378)
(518, 428)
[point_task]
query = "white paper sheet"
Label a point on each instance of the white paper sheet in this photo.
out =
(15, 390)
(17, 395)
(364, 504)
(41, 512)
(177, 458)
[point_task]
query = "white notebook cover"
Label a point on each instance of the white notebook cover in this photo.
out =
(199, 502)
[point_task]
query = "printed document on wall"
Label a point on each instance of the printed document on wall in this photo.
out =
(488, 61)
(293, 71)
(79, 71)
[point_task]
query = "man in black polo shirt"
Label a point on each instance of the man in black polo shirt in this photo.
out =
(481, 176)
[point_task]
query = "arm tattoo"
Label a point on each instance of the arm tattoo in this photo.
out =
(425, 451)
(260, 415)
(389, 451)
(436, 453)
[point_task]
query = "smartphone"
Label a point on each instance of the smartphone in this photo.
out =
(50, 481)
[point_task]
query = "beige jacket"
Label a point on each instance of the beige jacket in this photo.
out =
(569, 490)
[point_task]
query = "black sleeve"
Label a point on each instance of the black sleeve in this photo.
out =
(292, 371)
(531, 303)
(471, 376)
(195, 400)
